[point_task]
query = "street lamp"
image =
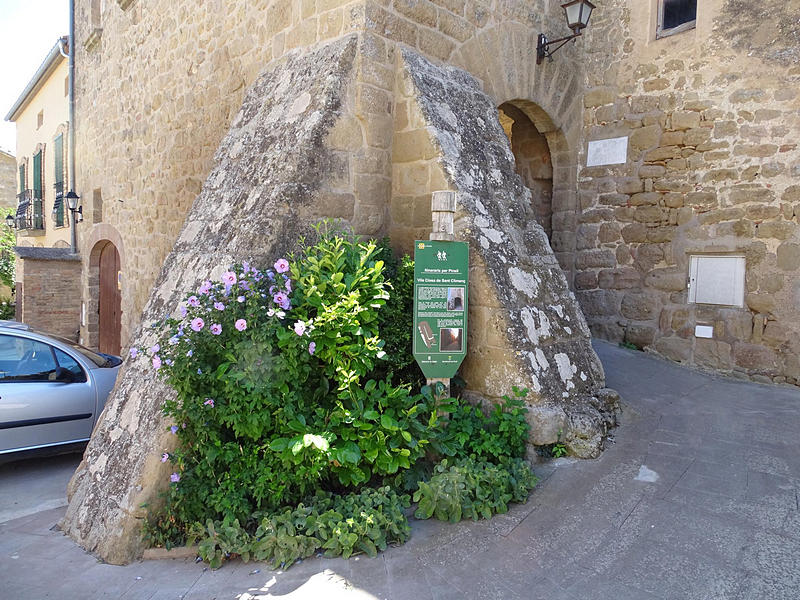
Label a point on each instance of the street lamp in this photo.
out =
(72, 205)
(11, 221)
(577, 13)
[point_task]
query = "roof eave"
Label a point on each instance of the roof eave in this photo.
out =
(51, 62)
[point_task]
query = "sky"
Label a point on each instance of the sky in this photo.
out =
(28, 30)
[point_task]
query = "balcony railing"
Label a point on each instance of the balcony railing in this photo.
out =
(29, 210)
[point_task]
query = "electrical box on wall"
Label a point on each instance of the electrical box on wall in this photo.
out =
(716, 279)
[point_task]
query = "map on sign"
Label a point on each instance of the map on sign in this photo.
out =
(441, 277)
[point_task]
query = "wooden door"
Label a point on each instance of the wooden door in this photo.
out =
(110, 300)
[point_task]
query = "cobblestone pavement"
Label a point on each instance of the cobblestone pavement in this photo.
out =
(697, 498)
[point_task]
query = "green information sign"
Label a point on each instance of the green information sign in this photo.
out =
(441, 271)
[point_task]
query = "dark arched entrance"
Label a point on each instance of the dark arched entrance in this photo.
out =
(532, 157)
(110, 299)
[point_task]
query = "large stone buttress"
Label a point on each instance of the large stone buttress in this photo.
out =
(281, 168)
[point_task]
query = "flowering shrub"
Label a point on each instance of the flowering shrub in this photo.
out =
(284, 401)
(269, 370)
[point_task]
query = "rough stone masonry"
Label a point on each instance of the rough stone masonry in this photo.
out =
(275, 175)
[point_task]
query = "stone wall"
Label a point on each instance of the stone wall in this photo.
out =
(51, 277)
(9, 180)
(159, 81)
(712, 168)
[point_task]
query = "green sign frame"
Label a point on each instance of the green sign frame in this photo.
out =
(441, 290)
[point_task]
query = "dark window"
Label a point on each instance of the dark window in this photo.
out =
(678, 12)
(675, 13)
(65, 361)
(22, 359)
(21, 179)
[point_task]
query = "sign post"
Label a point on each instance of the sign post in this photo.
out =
(441, 285)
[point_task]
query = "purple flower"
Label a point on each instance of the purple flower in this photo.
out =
(245, 285)
(281, 265)
(174, 340)
(240, 299)
(168, 362)
(189, 352)
(156, 362)
(245, 266)
(227, 291)
(174, 429)
(229, 278)
(199, 371)
(193, 301)
(154, 348)
(182, 310)
(134, 352)
(209, 402)
(197, 324)
(288, 285)
(175, 477)
(164, 457)
(299, 328)
(219, 306)
(216, 329)
(280, 299)
(270, 275)
(204, 288)
(312, 347)
(240, 324)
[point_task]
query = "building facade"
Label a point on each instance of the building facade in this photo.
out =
(659, 148)
(41, 115)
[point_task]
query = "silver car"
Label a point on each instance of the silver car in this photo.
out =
(52, 390)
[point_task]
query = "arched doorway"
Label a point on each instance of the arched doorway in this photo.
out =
(533, 163)
(110, 299)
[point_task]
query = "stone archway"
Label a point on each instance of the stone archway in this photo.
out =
(532, 160)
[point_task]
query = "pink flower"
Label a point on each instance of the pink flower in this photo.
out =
(197, 324)
(209, 402)
(156, 362)
(182, 310)
(281, 265)
(219, 306)
(299, 328)
(204, 288)
(193, 301)
(288, 285)
(154, 348)
(280, 299)
(229, 278)
(216, 329)
(164, 457)
(312, 347)
(134, 352)
(240, 324)
(175, 477)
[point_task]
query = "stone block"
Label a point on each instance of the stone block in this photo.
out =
(775, 334)
(748, 95)
(704, 200)
(598, 97)
(791, 194)
(592, 259)
(586, 237)
(760, 303)
(672, 138)
(674, 348)
(788, 256)
(645, 137)
(662, 153)
(640, 306)
(779, 230)
(599, 303)
(713, 354)
(548, 423)
(669, 279)
(645, 199)
(754, 357)
(635, 232)
(755, 150)
(682, 120)
(761, 212)
(651, 171)
(585, 280)
(609, 232)
(619, 279)
(648, 214)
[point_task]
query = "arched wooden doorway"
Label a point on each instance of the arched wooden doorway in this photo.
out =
(110, 300)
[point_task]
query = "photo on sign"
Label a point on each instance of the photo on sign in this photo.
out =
(427, 334)
(451, 339)
(455, 298)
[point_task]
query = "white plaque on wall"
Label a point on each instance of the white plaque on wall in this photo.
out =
(613, 151)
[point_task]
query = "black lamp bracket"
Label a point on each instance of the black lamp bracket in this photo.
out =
(543, 46)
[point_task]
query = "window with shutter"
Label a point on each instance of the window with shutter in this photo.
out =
(58, 162)
(38, 219)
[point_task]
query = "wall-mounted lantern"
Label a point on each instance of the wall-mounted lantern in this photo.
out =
(577, 13)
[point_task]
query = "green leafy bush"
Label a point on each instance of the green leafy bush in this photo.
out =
(7, 308)
(473, 489)
(363, 522)
(501, 434)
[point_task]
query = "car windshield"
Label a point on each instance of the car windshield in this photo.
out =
(101, 360)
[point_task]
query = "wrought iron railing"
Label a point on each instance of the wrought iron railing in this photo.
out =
(29, 210)
(58, 205)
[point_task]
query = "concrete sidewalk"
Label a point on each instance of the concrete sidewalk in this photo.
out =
(697, 498)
